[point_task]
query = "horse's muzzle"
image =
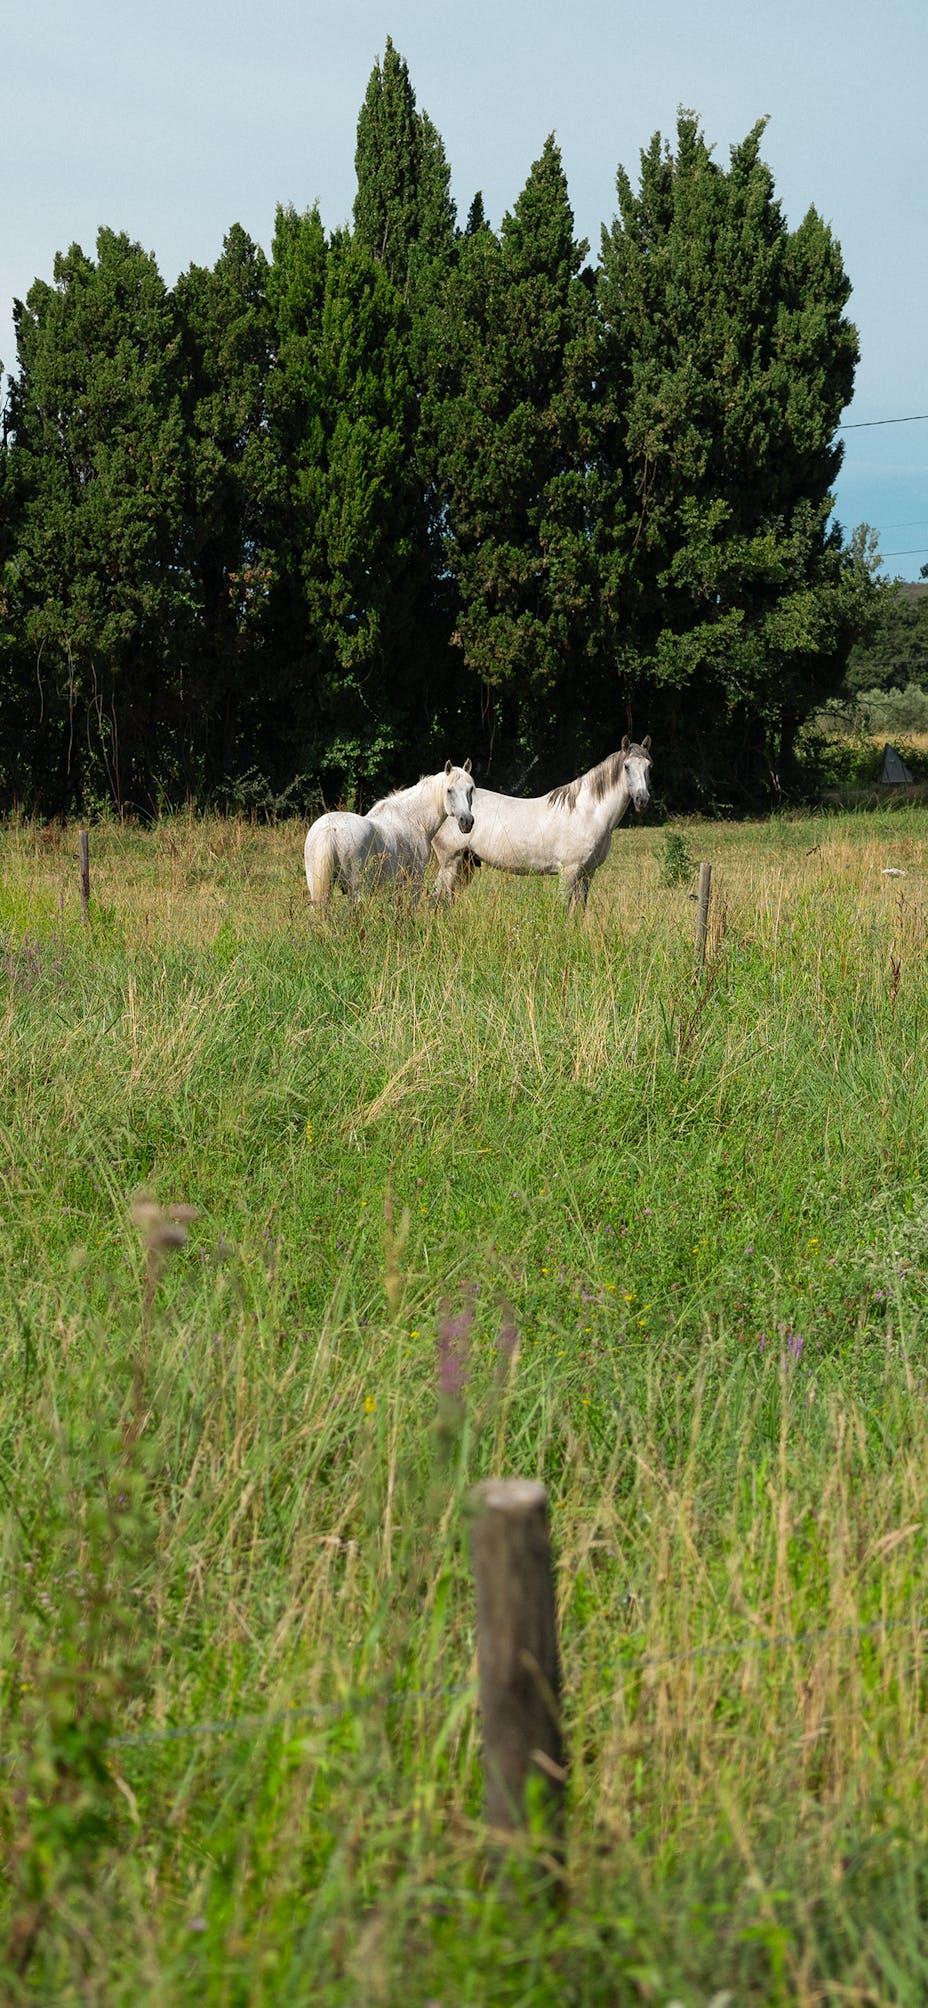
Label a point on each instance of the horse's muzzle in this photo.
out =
(465, 825)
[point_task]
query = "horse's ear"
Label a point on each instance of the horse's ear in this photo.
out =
(447, 767)
(467, 766)
(626, 742)
(646, 743)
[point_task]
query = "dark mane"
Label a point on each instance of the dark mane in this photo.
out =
(600, 780)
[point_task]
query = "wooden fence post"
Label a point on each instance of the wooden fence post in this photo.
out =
(517, 1652)
(83, 840)
(702, 911)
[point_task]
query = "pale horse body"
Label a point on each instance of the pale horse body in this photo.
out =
(392, 840)
(568, 831)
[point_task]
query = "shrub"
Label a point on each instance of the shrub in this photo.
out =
(676, 863)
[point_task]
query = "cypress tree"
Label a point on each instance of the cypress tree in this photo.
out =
(96, 475)
(403, 211)
(728, 360)
(512, 434)
(287, 730)
(227, 336)
(359, 548)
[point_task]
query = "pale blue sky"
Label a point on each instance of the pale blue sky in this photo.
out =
(174, 121)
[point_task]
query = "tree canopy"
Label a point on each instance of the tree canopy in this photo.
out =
(892, 652)
(310, 521)
(731, 361)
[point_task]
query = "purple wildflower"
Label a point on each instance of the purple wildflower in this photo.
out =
(453, 1348)
(508, 1338)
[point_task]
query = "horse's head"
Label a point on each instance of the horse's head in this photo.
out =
(459, 796)
(638, 771)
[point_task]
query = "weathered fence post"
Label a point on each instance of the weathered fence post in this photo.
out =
(83, 840)
(702, 911)
(517, 1653)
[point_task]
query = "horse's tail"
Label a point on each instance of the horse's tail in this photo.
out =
(320, 861)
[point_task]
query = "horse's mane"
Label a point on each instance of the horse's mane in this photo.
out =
(600, 781)
(408, 789)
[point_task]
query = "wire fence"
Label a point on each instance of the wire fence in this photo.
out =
(321, 1711)
(358, 1702)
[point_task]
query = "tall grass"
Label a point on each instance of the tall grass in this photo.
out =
(675, 1232)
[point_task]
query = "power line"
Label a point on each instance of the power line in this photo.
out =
(862, 424)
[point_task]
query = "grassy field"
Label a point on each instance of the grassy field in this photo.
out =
(487, 1191)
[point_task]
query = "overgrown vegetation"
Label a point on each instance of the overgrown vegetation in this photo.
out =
(836, 752)
(675, 1235)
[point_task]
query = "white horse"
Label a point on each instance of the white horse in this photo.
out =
(568, 831)
(392, 839)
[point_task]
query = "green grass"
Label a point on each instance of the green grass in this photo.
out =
(685, 1223)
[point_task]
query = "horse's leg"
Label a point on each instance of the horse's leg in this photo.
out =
(360, 877)
(362, 864)
(574, 886)
(412, 885)
(353, 877)
(447, 876)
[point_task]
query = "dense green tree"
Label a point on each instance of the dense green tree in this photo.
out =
(403, 211)
(729, 359)
(357, 594)
(409, 491)
(287, 728)
(894, 651)
(227, 335)
(512, 434)
(476, 216)
(96, 477)
(15, 750)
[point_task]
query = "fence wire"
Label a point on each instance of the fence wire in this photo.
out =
(359, 1702)
(320, 1711)
(778, 1641)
